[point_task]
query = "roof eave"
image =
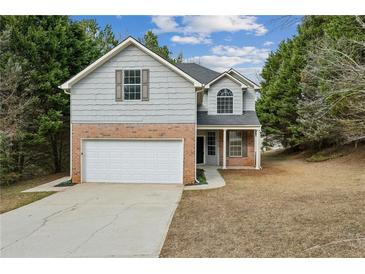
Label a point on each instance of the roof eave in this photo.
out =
(255, 86)
(221, 76)
(248, 126)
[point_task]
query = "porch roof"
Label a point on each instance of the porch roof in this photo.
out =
(248, 118)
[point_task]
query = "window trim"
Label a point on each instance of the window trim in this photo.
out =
(140, 85)
(229, 144)
(215, 143)
(225, 96)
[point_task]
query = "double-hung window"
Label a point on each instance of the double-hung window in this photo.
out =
(132, 85)
(235, 143)
(211, 143)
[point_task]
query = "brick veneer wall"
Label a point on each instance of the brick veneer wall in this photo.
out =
(186, 131)
(239, 161)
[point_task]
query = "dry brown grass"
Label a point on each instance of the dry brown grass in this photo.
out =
(11, 197)
(292, 208)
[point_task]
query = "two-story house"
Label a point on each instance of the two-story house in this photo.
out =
(137, 118)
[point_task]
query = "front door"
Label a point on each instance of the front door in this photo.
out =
(200, 150)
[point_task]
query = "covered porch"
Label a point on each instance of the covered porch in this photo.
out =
(235, 147)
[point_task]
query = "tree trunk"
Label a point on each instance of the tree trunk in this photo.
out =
(56, 161)
(60, 152)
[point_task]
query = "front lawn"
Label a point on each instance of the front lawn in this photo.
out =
(12, 196)
(292, 208)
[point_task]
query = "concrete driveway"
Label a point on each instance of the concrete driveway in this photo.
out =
(92, 220)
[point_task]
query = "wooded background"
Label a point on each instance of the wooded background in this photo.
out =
(38, 53)
(313, 87)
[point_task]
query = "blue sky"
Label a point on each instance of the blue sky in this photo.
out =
(218, 42)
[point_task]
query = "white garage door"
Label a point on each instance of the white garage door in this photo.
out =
(132, 161)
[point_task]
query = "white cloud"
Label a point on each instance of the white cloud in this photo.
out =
(206, 25)
(209, 24)
(253, 73)
(248, 54)
(165, 24)
(194, 40)
(225, 57)
(223, 63)
(268, 43)
(248, 60)
(198, 29)
(219, 63)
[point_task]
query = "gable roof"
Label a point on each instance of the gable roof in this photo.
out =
(208, 76)
(203, 74)
(225, 74)
(124, 44)
(254, 85)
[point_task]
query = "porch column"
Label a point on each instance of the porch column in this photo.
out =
(258, 148)
(224, 147)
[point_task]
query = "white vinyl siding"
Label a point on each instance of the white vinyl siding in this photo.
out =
(249, 99)
(204, 105)
(171, 97)
(132, 161)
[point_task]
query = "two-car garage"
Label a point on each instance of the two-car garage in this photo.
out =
(132, 161)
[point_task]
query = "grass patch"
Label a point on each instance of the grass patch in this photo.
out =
(320, 158)
(12, 196)
(201, 177)
(290, 208)
(332, 153)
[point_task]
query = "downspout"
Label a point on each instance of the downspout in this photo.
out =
(196, 124)
(69, 93)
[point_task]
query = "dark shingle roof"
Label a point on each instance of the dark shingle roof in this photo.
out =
(198, 72)
(247, 118)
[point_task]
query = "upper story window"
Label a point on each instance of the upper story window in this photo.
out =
(225, 101)
(132, 85)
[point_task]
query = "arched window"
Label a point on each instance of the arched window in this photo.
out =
(225, 101)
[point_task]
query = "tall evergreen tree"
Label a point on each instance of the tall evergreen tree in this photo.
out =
(52, 49)
(282, 88)
(150, 40)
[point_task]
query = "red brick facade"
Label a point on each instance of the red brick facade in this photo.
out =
(185, 131)
(239, 161)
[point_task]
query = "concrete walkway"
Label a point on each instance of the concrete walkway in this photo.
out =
(51, 186)
(214, 179)
(92, 220)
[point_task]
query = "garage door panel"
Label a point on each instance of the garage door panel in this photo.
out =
(132, 161)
